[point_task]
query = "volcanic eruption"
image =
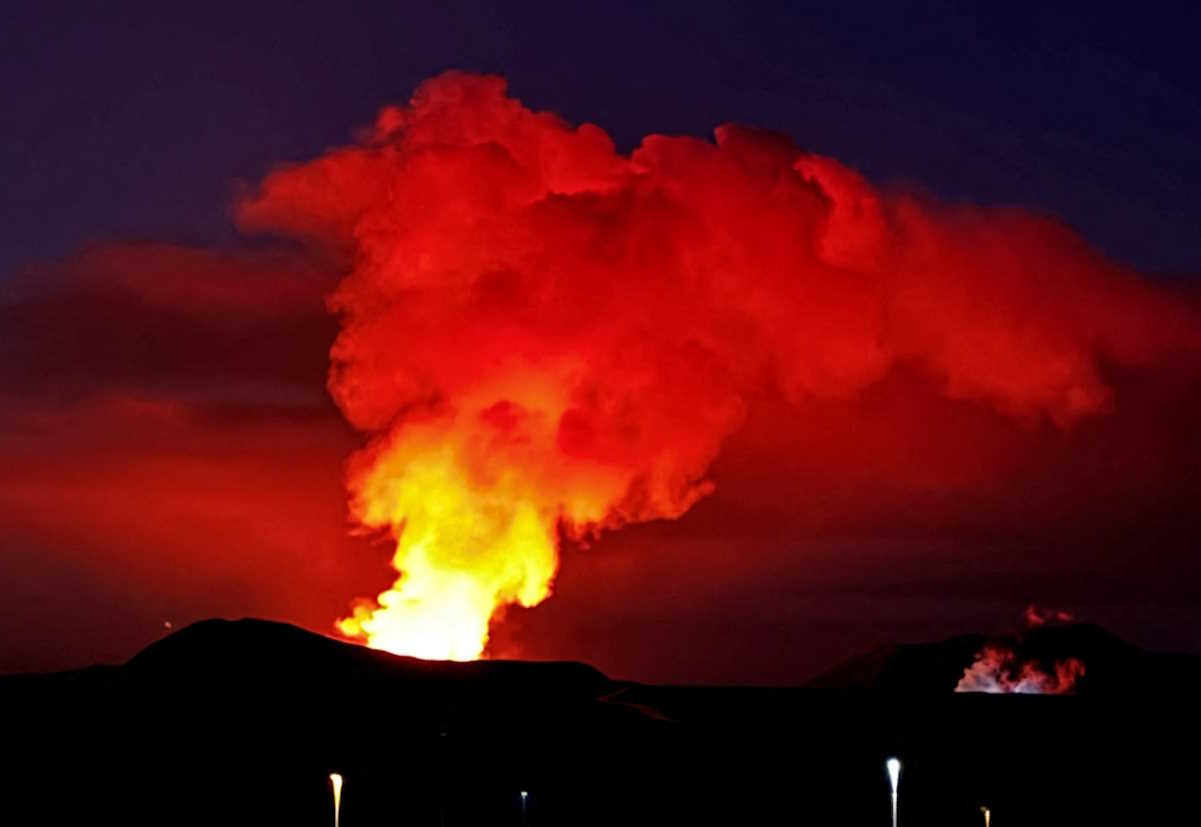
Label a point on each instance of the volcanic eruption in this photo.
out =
(543, 338)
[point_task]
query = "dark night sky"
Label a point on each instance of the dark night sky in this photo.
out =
(137, 122)
(134, 119)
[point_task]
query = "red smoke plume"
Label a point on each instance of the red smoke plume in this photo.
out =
(997, 669)
(542, 337)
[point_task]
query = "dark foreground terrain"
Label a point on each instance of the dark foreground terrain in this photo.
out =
(241, 723)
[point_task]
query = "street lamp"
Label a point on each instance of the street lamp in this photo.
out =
(894, 778)
(336, 780)
(987, 815)
(524, 798)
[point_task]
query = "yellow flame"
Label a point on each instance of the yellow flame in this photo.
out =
(464, 548)
(336, 781)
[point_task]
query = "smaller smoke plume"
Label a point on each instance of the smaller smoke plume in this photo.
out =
(1036, 617)
(997, 669)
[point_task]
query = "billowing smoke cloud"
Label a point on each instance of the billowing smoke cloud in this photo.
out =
(997, 669)
(542, 337)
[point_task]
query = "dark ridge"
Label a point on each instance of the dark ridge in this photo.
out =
(240, 722)
(922, 667)
(264, 649)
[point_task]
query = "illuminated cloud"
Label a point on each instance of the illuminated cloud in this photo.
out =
(543, 338)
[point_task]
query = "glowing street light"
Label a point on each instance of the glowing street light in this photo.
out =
(525, 796)
(894, 778)
(987, 815)
(336, 780)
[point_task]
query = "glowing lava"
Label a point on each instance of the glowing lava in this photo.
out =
(463, 548)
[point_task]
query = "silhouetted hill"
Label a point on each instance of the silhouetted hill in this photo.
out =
(227, 672)
(266, 657)
(240, 723)
(921, 667)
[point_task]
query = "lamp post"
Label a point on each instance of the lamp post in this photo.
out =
(987, 815)
(336, 780)
(525, 796)
(894, 779)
